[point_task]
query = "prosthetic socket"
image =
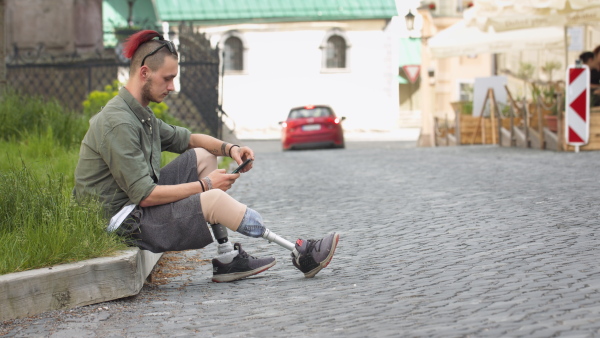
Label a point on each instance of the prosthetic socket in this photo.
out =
(252, 226)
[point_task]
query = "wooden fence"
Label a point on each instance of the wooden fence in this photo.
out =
(523, 125)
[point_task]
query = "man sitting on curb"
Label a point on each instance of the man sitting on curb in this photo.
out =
(168, 209)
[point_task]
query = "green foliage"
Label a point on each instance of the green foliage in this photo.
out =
(40, 225)
(467, 108)
(24, 117)
(98, 99)
(546, 93)
(526, 71)
(549, 68)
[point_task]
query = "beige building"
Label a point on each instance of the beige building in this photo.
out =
(451, 79)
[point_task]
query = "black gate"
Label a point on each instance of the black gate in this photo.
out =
(199, 79)
(71, 81)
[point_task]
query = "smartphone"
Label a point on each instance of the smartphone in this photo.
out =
(237, 170)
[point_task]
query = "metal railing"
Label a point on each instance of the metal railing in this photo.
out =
(71, 81)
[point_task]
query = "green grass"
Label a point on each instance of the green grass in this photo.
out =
(23, 118)
(40, 224)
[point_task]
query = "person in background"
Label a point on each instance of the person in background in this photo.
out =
(592, 60)
(589, 59)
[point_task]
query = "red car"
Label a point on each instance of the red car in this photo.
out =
(312, 127)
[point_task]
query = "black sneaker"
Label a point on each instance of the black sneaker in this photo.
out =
(310, 256)
(242, 266)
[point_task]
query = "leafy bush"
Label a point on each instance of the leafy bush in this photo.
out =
(98, 99)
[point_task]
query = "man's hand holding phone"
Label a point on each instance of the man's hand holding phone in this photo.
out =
(242, 166)
(238, 154)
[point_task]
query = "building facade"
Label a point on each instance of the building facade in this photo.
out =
(270, 68)
(280, 54)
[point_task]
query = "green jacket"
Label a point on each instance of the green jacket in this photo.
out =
(119, 158)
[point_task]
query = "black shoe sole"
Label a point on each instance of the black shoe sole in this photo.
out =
(327, 259)
(230, 277)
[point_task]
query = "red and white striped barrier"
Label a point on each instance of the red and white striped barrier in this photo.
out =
(577, 117)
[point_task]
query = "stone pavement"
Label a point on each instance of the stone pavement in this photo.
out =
(472, 241)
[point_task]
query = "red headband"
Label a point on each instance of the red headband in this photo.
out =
(136, 40)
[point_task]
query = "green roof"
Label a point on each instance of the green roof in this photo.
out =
(115, 14)
(241, 11)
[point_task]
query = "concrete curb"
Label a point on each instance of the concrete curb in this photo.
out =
(64, 286)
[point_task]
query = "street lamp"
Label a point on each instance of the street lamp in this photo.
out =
(410, 20)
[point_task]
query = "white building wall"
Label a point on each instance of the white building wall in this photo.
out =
(283, 69)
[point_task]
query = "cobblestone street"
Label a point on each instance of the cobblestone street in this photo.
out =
(464, 241)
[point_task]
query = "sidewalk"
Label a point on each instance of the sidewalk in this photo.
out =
(472, 241)
(67, 286)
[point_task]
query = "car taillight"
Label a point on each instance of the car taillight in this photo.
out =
(309, 107)
(283, 124)
(337, 120)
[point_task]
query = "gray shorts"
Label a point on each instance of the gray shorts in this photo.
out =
(175, 226)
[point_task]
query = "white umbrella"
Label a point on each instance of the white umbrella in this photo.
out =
(504, 15)
(460, 39)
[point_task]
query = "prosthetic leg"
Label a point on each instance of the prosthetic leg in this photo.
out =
(273, 237)
(220, 233)
(225, 251)
(252, 225)
(309, 256)
(232, 262)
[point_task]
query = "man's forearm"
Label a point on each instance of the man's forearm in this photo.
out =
(211, 144)
(163, 194)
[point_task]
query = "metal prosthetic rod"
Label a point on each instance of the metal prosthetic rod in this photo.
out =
(225, 252)
(273, 237)
(220, 233)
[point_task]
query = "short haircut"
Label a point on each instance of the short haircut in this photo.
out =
(142, 43)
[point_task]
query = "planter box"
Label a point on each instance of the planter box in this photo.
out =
(468, 127)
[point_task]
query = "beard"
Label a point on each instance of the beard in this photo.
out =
(147, 92)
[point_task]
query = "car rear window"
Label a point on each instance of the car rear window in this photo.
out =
(314, 112)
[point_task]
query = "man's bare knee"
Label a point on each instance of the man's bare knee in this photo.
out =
(203, 155)
(205, 162)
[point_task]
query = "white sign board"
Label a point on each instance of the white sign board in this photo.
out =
(577, 114)
(576, 39)
(480, 90)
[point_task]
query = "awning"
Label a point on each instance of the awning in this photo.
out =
(460, 39)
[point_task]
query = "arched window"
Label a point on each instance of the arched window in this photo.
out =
(336, 52)
(335, 56)
(234, 54)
